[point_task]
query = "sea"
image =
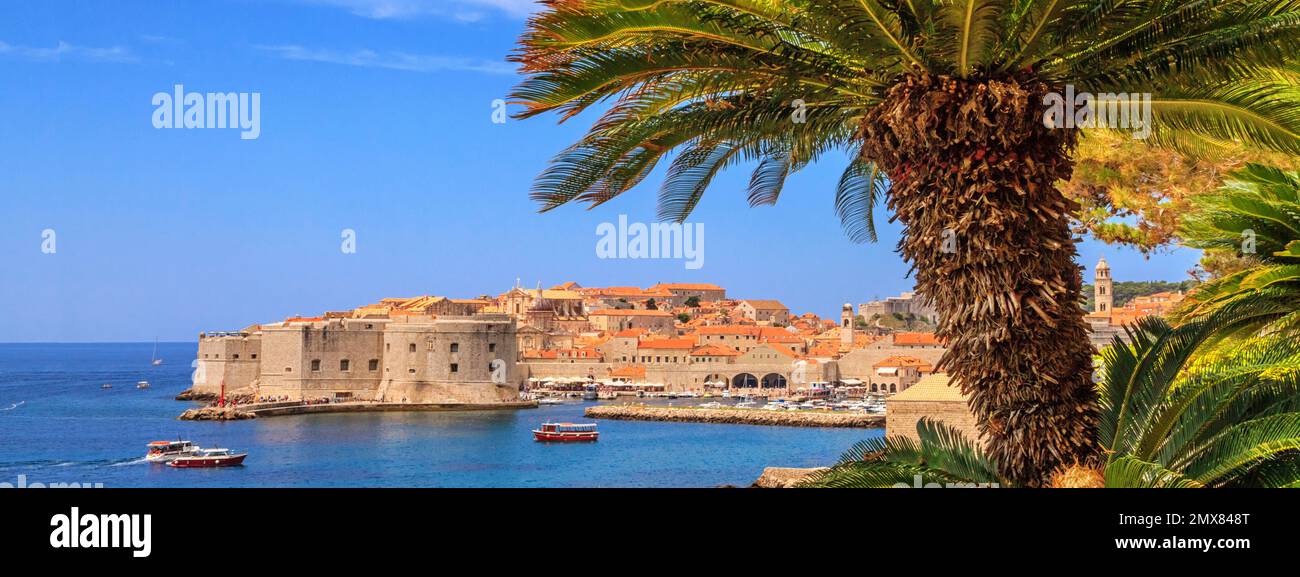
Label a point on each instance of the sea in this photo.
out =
(58, 426)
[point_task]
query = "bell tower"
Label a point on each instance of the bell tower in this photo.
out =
(846, 326)
(1104, 289)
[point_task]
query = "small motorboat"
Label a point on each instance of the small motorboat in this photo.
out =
(164, 451)
(106, 386)
(207, 458)
(550, 401)
(566, 432)
(142, 385)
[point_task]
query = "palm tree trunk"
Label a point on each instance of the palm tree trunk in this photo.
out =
(973, 171)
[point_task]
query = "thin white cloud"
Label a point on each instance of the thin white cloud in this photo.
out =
(463, 10)
(65, 51)
(394, 60)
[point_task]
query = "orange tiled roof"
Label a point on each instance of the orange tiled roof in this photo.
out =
(686, 286)
(666, 344)
(631, 333)
(630, 313)
(899, 361)
(631, 371)
(303, 319)
(714, 351)
(765, 305)
(916, 339)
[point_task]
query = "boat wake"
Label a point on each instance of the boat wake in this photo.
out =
(14, 406)
(135, 461)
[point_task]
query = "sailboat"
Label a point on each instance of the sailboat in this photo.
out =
(154, 357)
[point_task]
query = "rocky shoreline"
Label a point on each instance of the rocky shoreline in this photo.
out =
(213, 413)
(192, 395)
(735, 416)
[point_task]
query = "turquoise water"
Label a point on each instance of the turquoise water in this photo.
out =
(63, 428)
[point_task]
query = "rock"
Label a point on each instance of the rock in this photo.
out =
(784, 477)
(216, 414)
(192, 395)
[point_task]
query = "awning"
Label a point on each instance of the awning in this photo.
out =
(851, 382)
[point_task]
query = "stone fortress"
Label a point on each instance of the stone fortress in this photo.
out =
(486, 350)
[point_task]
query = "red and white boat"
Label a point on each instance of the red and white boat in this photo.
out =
(566, 432)
(164, 451)
(207, 458)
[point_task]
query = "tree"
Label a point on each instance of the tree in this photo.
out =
(651, 305)
(1255, 218)
(692, 302)
(940, 108)
(1169, 418)
(1133, 195)
(683, 318)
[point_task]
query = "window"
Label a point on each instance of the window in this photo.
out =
(288, 369)
(344, 365)
(455, 347)
(492, 347)
(455, 367)
(412, 349)
(374, 364)
(254, 355)
(412, 371)
(236, 356)
(315, 364)
(388, 347)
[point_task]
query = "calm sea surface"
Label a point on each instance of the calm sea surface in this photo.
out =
(58, 425)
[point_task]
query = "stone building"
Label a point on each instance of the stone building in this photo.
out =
(614, 320)
(682, 292)
(933, 397)
(407, 358)
(764, 311)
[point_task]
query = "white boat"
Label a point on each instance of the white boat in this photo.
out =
(745, 405)
(142, 385)
(710, 405)
(164, 451)
(153, 358)
(726, 394)
(106, 386)
(550, 401)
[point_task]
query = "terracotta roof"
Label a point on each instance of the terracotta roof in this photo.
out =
(632, 371)
(686, 286)
(936, 387)
(630, 313)
(666, 344)
(714, 351)
(303, 319)
(899, 361)
(916, 339)
(727, 330)
(631, 333)
(766, 305)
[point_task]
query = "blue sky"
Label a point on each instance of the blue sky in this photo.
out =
(375, 117)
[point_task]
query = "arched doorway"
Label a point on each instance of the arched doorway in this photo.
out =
(774, 381)
(744, 381)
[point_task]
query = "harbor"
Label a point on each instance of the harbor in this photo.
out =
(56, 390)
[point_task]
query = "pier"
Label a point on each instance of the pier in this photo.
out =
(735, 416)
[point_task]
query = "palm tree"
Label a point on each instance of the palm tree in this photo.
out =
(1226, 419)
(1256, 215)
(939, 107)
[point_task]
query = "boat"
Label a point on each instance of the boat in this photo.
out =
(208, 458)
(566, 432)
(106, 386)
(589, 393)
(142, 385)
(153, 358)
(550, 401)
(711, 405)
(745, 405)
(163, 451)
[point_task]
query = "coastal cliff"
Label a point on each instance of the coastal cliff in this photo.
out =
(735, 416)
(213, 413)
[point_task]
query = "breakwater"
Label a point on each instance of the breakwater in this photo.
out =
(735, 416)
